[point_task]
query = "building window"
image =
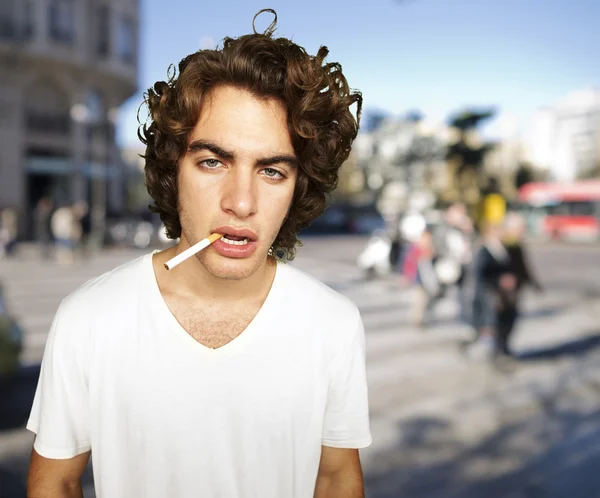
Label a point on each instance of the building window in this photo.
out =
(16, 19)
(103, 31)
(28, 18)
(47, 109)
(47, 123)
(126, 40)
(8, 27)
(62, 20)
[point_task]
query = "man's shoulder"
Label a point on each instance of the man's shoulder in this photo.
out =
(308, 292)
(113, 286)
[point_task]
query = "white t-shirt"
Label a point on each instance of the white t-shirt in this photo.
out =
(166, 416)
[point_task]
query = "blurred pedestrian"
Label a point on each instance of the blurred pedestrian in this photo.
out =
(495, 285)
(418, 267)
(86, 230)
(514, 228)
(453, 240)
(396, 248)
(63, 227)
(81, 230)
(41, 225)
(234, 374)
(9, 229)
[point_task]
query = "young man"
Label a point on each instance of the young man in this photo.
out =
(233, 374)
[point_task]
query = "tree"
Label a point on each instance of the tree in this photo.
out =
(372, 119)
(469, 119)
(414, 116)
(465, 155)
(523, 175)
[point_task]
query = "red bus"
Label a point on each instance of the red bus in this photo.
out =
(569, 211)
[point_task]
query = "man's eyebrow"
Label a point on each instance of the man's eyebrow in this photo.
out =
(199, 145)
(281, 158)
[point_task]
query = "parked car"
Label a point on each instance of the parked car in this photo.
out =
(334, 220)
(366, 220)
(347, 219)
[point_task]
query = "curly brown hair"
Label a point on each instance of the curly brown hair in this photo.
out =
(317, 98)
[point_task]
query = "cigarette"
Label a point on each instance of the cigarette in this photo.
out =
(190, 251)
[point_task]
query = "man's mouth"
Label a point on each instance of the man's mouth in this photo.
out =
(236, 236)
(234, 240)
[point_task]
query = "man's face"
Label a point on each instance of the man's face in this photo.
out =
(238, 173)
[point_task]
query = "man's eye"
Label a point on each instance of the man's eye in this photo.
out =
(210, 163)
(273, 173)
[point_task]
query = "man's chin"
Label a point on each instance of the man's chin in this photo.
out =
(231, 268)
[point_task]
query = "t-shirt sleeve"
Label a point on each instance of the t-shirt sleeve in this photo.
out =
(346, 422)
(60, 412)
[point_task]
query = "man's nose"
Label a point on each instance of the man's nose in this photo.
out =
(239, 193)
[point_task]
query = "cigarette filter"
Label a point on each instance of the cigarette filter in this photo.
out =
(190, 251)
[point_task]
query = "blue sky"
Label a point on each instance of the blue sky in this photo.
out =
(438, 56)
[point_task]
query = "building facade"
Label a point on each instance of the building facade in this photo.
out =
(65, 68)
(564, 139)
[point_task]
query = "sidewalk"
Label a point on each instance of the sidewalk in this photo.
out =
(447, 427)
(443, 426)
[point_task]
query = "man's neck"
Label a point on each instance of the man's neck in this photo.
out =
(192, 280)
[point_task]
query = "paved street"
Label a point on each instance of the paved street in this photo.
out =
(443, 425)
